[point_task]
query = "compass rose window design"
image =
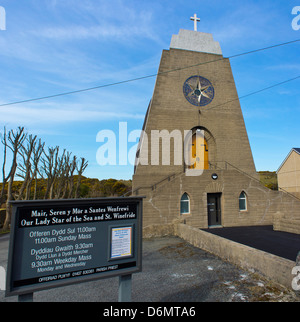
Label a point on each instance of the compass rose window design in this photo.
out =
(198, 90)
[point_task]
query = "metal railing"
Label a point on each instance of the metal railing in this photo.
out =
(217, 165)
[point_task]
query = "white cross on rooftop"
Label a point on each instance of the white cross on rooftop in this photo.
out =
(196, 19)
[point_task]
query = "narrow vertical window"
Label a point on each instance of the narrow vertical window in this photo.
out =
(243, 201)
(185, 204)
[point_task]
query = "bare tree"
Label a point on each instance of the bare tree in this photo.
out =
(80, 169)
(29, 168)
(4, 178)
(73, 165)
(59, 173)
(49, 167)
(31, 161)
(14, 142)
(26, 152)
(62, 175)
(37, 153)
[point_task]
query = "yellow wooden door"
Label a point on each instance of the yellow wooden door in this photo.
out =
(199, 152)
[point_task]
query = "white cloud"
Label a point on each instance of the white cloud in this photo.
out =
(283, 67)
(110, 32)
(16, 115)
(97, 20)
(247, 25)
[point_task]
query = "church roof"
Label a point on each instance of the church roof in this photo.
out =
(195, 41)
(297, 150)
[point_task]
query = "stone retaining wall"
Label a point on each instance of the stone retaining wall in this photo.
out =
(273, 267)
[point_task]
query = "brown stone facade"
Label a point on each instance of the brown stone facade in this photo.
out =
(231, 167)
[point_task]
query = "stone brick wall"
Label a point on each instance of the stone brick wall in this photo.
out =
(273, 267)
(162, 203)
(222, 118)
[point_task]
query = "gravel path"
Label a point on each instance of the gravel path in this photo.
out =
(173, 271)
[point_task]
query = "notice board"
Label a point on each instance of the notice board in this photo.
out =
(59, 242)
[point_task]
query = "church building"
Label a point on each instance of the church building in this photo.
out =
(194, 163)
(288, 173)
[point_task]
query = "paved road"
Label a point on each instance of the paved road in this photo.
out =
(279, 243)
(173, 271)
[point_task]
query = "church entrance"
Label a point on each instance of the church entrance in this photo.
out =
(214, 209)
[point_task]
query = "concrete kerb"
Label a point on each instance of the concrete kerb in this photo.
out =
(275, 268)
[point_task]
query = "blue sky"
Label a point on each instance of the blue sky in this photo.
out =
(52, 46)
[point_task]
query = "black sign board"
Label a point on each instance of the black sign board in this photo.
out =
(58, 242)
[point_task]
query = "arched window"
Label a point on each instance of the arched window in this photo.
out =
(243, 201)
(185, 204)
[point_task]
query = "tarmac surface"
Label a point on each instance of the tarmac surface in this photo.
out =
(173, 271)
(264, 238)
